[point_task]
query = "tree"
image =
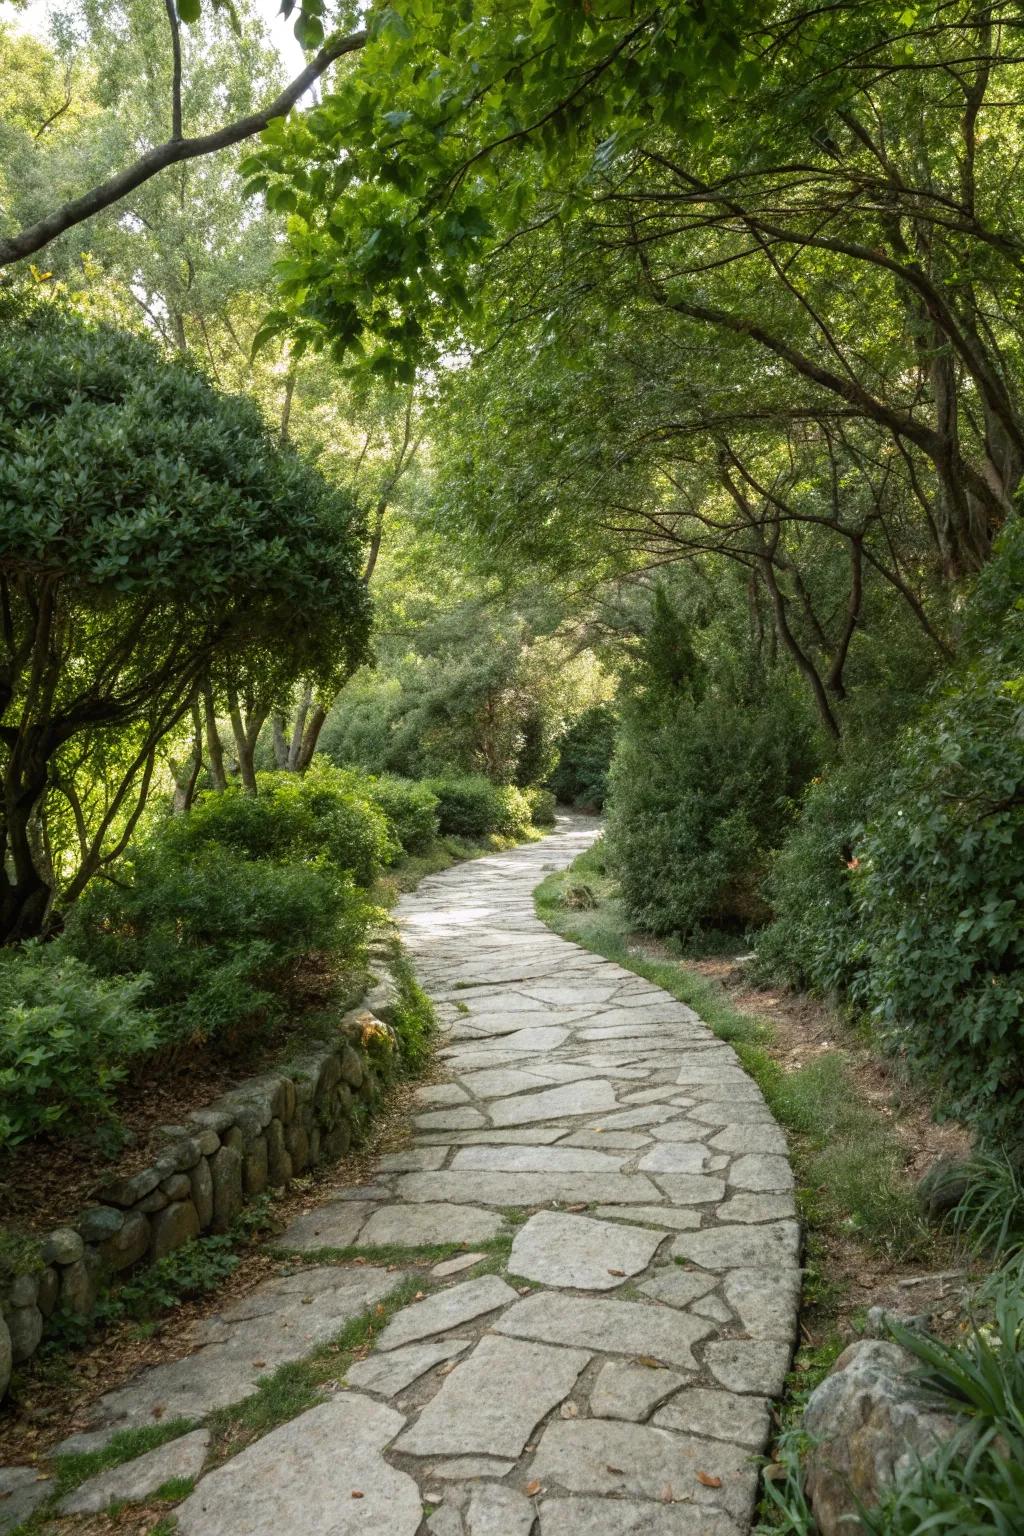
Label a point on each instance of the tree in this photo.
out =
(153, 536)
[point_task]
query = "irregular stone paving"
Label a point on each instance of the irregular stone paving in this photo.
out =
(617, 1381)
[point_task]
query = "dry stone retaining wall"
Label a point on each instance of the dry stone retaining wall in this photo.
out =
(260, 1135)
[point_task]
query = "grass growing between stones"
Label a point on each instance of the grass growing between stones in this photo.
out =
(846, 1156)
(301, 1384)
(395, 1255)
(128, 1444)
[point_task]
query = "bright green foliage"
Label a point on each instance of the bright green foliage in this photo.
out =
(150, 526)
(414, 1021)
(386, 217)
(67, 1039)
(410, 807)
(974, 1485)
(706, 770)
(542, 805)
(940, 897)
(474, 807)
(812, 937)
(584, 757)
(326, 817)
(219, 935)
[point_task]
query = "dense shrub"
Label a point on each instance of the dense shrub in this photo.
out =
(218, 934)
(474, 807)
(701, 791)
(66, 1037)
(584, 758)
(410, 807)
(153, 530)
(939, 896)
(542, 806)
(327, 815)
(811, 941)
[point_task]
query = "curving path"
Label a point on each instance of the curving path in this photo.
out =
(612, 1376)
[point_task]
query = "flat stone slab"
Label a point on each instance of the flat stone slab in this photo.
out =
(690, 1188)
(677, 1287)
(538, 1160)
(414, 1160)
(722, 1415)
(754, 1365)
(761, 1171)
(661, 1215)
(750, 1208)
(450, 1119)
(283, 1320)
(455, 1266)
(616, 1327)
(582, 1098)
(675, 1157)
(134, 1481)
(576, 1251)
(22, 1490)
(750, 1138)
(389, 1372)
(618, 1459)
(335, 1224)
(497, 1510)
(323, 1474)
(492, 1401)
(626, 1517)
(465, 1468)
(415, 1226)
(446, 1309)
(776, 1245)
(765, 1301)
(625, 1391)
(492, 1188)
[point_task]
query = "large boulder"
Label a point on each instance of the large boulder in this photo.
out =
(869, 1423)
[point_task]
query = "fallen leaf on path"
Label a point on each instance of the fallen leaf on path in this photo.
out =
(667, 1496)
(581, 1206)
(357, 1494)
(533, 1487)
(707, 1481)
(619, 1272)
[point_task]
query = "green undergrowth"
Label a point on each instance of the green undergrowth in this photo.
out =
(395, 1253)
(847, 1159)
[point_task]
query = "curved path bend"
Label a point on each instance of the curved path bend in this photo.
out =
(612, 1375)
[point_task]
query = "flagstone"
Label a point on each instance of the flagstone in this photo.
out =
(627, 1517)
(414, 1226)
(774, 1245)
(615, 1458)
(553, 1103)
(493, 1400)
(683, 1220)
(559, 1159)
(445, 1310)
(485, 1187)
(391, 1372)
(578, 1252)
(721, 1415)
(626, 1391)
(617, 1327)
(303, 1476)
(333, 1225)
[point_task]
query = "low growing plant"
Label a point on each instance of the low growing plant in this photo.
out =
(67, 1038)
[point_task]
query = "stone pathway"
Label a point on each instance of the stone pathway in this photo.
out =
(616, 1379)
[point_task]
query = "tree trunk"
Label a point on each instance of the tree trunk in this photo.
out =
(213, 746)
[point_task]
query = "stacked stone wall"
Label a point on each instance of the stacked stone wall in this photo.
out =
(260, 1135)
